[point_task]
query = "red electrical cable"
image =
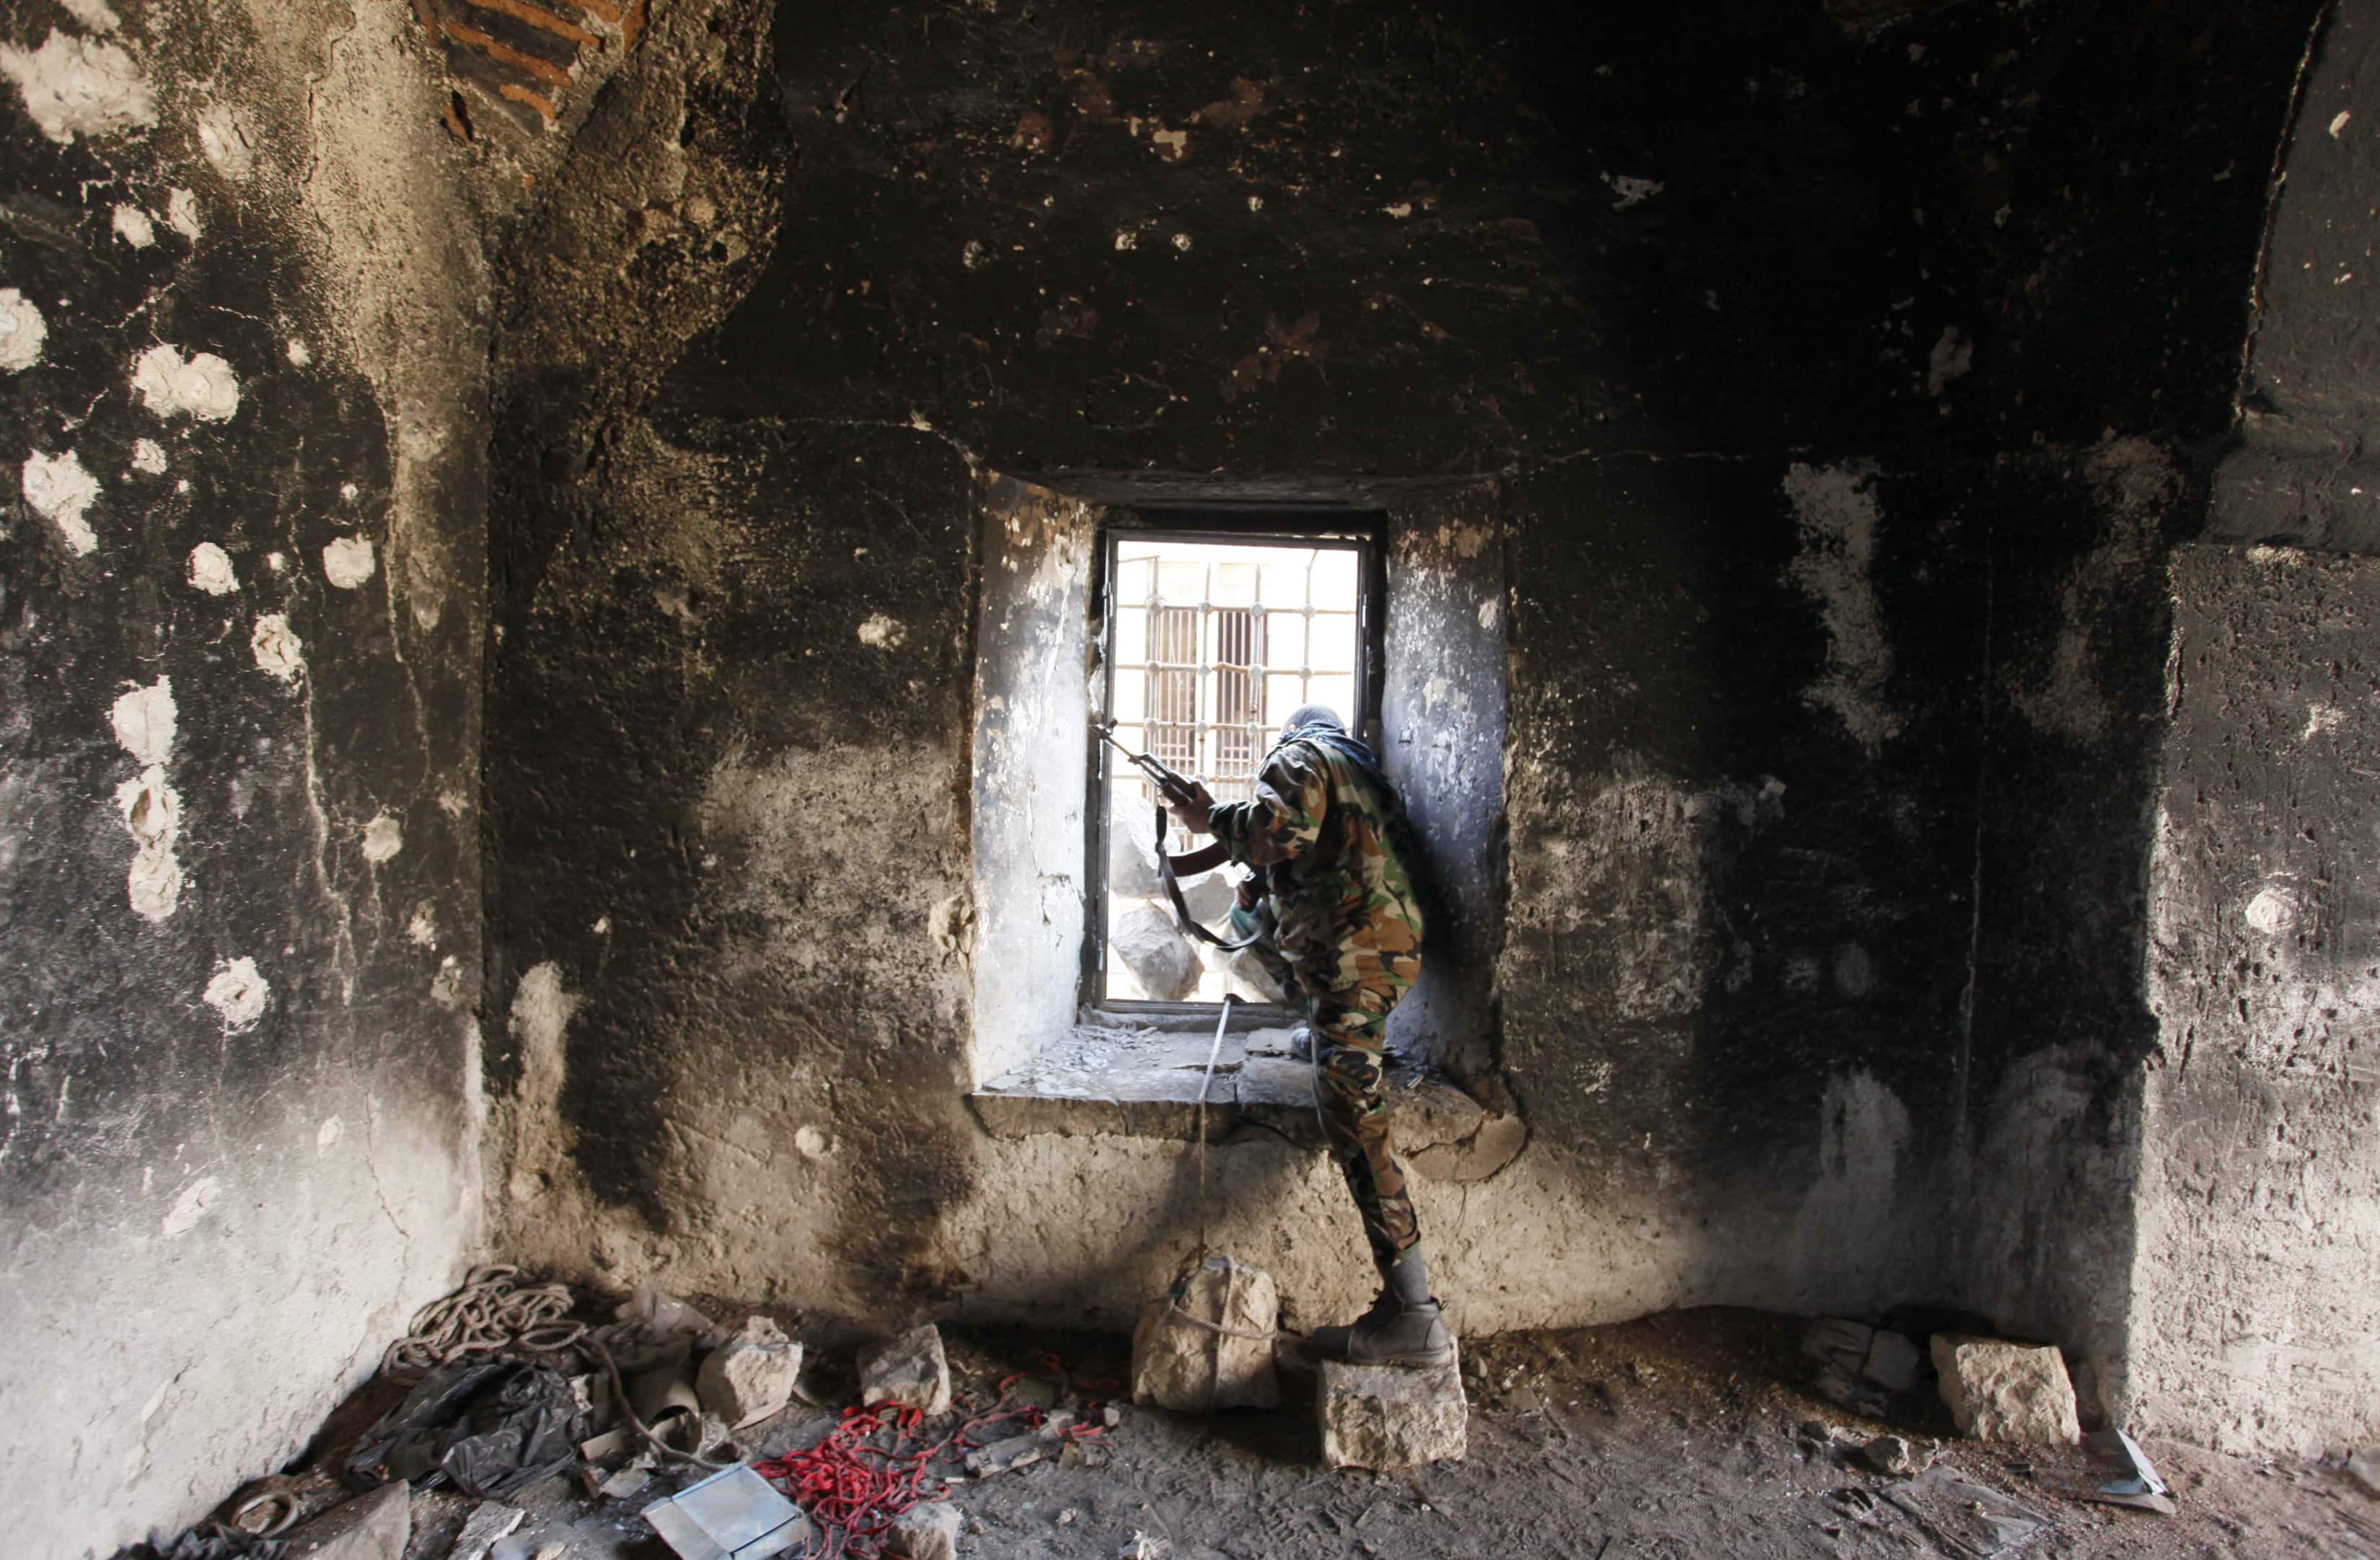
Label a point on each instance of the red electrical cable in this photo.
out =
(876, 1463)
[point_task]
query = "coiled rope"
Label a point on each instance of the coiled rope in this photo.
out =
(495, 1314)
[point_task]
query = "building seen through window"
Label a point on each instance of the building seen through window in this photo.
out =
(1211, 645)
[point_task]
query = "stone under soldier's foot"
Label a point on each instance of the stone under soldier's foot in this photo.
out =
(1392, 1332)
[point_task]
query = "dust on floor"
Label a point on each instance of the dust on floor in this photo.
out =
(1686, 1436)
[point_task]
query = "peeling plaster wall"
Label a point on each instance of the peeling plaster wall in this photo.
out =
(1034, 674)
(241, 381)
(2251, 1286)
(2258, 1322)
(1754, 342)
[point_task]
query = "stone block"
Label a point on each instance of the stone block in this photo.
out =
(2000, 1391)
(1156, 952)
(910, 1370)
(1131, 854)
(927, 1533)
(370, 1527)
(2364, 1467)
(1208, 1343)
(1386, 1418)
(489, 1521)
(751, 1375)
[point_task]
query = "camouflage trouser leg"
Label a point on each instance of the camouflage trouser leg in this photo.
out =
(1350, 1030)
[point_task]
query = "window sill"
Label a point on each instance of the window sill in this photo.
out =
(1145, 1083)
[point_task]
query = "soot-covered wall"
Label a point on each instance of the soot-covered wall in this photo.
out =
(1825, 391)
(242, 355)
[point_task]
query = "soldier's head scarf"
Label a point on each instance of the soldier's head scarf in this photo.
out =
(1319, 725)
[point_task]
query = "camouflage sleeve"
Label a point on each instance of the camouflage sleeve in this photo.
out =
(1292, 795)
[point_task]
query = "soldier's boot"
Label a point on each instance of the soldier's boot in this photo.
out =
(1406, 1327)
(1393, 1332)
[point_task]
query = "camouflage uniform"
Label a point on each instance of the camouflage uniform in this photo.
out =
(1349, 926)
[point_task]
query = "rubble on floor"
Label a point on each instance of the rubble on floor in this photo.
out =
(910, 1372)
(1678, 1436)
(1999, 1391)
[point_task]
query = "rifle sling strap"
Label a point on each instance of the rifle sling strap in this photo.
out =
(1205, 859)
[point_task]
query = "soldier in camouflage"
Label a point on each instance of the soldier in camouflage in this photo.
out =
(1348, 927)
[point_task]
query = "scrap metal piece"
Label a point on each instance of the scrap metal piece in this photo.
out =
(2140, 1488)
(1967, 1520)
(732, 1514)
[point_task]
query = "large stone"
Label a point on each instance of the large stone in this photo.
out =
(1131, 854)
(1386, 1417)
(910, 1370)
(751, 1375)
(1154, 949)
(1208, 1343)
(2000, 1391)
(1250, 971)
(370, 1527)
(1209, 896)
(489, 1521)
(927, 1533)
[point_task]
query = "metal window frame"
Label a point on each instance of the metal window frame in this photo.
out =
(1302, 527)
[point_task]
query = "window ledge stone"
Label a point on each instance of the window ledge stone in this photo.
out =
(1103, 1082)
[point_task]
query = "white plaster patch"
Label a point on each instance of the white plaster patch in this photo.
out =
(79, 87)
(811, 1143)
(446, 987)
(2321, 720)
(1489, 611)
(144, 720)
(277, 650)
(132, 225)
(422, 930)
(1950, 359)
(1836, 509)
(454, 804)
(152, 816)
(96, 15)
(1632, 191)
(383, 838)
(1171, 145)
(192, 1205)
(327, 1136)
(299, 353)
(201, 385)
(2338, 122)
(238, 992)
(61, 491)
(347, 562)
(224, 141)
(182, 214)
(2272, 911)
(22, 331)
(149, 458)
(210, 570)
(881, 632)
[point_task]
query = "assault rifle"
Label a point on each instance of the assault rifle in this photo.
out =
(1172, 784)
(1176, 787)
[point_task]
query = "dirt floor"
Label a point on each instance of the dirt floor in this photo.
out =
(1678, 1437)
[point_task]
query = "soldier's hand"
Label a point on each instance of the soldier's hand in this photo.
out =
(1251, 892)
(1194, 809)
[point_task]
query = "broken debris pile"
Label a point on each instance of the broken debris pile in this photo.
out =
(489, 1429)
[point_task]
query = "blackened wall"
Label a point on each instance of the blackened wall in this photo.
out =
(1815, 377)
(240, 611)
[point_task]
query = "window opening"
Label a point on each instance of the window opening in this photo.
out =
(1214, 640)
